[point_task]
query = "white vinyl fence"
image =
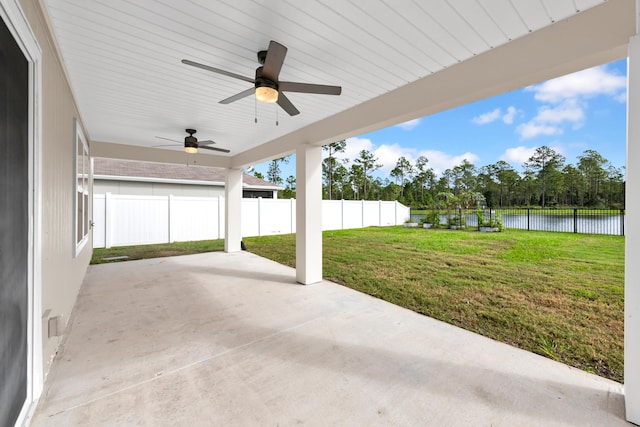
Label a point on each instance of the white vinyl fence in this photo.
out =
(138, 220)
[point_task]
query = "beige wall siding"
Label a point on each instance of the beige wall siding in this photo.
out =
(62, 274)
(202, 191)
(104, 187)
(132, 188)
(128, 187)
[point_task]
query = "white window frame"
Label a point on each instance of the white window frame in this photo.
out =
(81, 184)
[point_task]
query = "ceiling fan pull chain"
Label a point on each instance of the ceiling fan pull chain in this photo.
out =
(276, 107)
(255, 103)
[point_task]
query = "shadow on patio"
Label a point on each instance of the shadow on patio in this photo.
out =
(231, 339)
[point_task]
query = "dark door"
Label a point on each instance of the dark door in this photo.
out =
(14, 215)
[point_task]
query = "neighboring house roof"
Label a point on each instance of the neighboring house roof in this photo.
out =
(132, 170)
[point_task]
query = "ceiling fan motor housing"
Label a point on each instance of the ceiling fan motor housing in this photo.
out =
(190, 141)
(263, 81)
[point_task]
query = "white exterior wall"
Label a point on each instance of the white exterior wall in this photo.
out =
(62, 273)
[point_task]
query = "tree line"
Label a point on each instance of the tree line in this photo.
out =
(546, 180)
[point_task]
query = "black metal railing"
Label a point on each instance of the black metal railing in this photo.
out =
(571, 220)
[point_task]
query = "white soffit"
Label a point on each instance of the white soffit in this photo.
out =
(123, 58)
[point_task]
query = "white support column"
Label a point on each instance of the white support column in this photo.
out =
(233, 210)
(309, 214)
(632, 239)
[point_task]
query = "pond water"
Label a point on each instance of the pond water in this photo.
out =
(583, 223)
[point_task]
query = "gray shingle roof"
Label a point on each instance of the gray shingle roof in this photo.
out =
(133, 168)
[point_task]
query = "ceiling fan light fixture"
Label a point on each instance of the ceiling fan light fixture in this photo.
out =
(190, 145)
(266, 92)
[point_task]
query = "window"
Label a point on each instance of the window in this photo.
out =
(81, 183)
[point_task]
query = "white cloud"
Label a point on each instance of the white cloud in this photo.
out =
(510, 115)
(486, 118)
(569, 111)
(565, 100)
(550, 119)
(411, 124)
(583, 84)
(532, 129)
(388, 155)
(354, 146)
(496, 114)
(440, 161)
(521, 154)
(517, 155)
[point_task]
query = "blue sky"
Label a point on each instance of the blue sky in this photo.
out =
(580, 111)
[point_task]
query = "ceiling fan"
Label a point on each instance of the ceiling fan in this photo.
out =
(191, 143)
(267, 86)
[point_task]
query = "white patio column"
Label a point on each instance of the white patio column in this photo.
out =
(233, 203)
(632, 241)
(309, 214)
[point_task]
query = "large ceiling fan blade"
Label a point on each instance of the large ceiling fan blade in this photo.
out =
(273, 61)
(169, 139)
(206, 147)
(161, 146)
(286, 105)
(218, 70)
(238, 96)
(309, 88)
(206, 142)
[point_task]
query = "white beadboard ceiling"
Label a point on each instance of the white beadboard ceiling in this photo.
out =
(123, 60)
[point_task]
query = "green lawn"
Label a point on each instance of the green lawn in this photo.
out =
(556, 294)
(155, 251)
(532, 211)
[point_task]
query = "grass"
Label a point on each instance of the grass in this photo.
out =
(155, 251)
(533, 211)
(556, 294)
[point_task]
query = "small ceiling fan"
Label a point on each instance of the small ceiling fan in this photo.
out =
(267, 86)
(191, 143)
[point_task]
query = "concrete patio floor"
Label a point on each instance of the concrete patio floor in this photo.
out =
(231, 339)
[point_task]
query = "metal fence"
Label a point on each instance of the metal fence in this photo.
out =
(588, 221)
